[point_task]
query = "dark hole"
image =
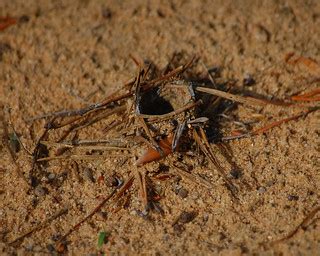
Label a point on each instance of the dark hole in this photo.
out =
(151, 103)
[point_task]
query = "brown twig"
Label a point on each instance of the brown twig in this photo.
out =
(285, 120)
(114, 97)
(141, 178)
(75, 227)
(302, 225)
(244, 100)
(269, 126)
(204, 145)
(41, 225)
(6, 22)
(307, 96)
(191, 177)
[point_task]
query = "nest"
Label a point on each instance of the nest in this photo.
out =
(155, 114)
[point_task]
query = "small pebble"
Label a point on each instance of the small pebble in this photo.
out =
(106, 13)
(248, 80)
(51, 248)
(183, 193)
(178, 228)
(293, 198)
(261, 34)
(270, 183)
(29, 247)
(14, 142)
(51, 176)
(55, 237)
(186, 217)
(40, 191)
(235, 173)
(205, 217)
(4, 47)
(113, 181)
(34, 202)
(24, 19)
(262, 190)
(103, 215)
(87, 174)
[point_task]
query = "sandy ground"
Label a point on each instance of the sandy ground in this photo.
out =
(71, 53)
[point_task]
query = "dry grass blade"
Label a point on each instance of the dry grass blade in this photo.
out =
(155, 82)
(98, 118)
(94, 145)
(244, 100)
(75, 157)
(141, 178)
(152, 140)
(193, 178)
(204, 145)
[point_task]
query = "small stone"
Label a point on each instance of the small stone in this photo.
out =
(261, 34)
(106, 13)
(51, 176)
(4, 47)
(29, 247)
(293, 197)
(205, 217)
(222, 236)
(178, 228)
(24, 19)
(262, 190)
(248, 80)
(14, 142)
(40, 191)
(55, 237)
(113, 181)
(103, 215)
(235, 173)
(183, 193)
(186, 217)
(270, 183)
(51, 248)
(87, 174)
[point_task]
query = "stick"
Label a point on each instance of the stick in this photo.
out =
(41, 225)
(302, 225)
(233, 97)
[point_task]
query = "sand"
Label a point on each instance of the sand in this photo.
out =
(68, 54)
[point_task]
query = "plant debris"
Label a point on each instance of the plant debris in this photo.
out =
(156, 114)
